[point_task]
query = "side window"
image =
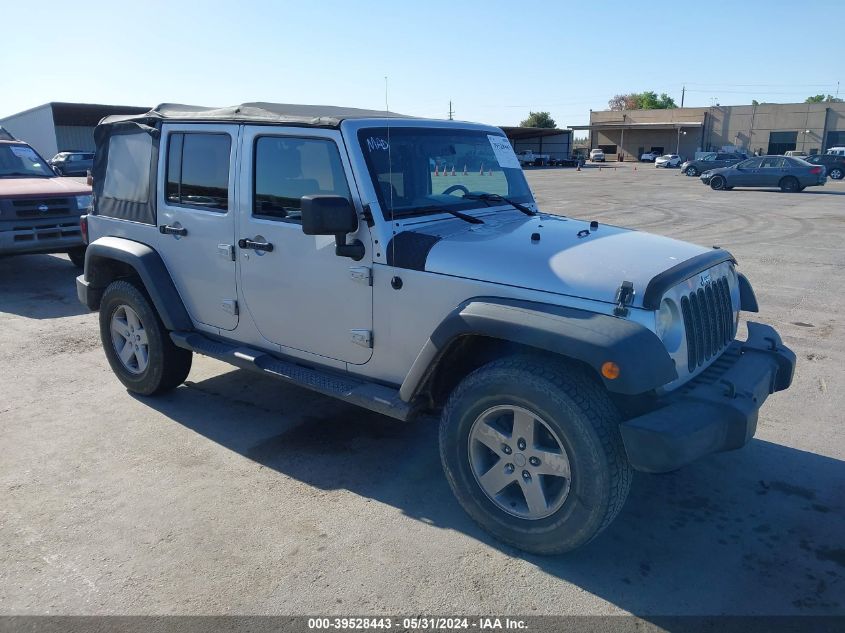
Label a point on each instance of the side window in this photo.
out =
(287, 168)
(128, 168)
(773, 163)
(709, 158)
(198, 170)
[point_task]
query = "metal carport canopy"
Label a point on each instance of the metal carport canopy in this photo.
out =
(522, 133)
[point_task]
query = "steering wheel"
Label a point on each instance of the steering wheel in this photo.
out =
(455, 188)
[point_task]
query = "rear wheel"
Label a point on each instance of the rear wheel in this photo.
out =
(532, 451)
(718, 183)
(136, 343)
(789, 184)
(691, 171)
(836, 173)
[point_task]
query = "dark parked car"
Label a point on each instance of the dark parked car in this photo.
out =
(73, 163)
(789, 174)
(711, 161)
(835, 165)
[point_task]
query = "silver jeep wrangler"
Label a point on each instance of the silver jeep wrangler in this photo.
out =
(402, 265)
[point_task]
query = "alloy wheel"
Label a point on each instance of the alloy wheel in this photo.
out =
(130, 340)
(519, 462)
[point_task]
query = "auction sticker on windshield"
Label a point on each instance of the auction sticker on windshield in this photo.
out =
(504, 152)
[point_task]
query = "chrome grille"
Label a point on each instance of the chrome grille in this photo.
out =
(43, 207)
(708, 321)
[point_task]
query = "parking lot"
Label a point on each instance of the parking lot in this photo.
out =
(237, 494)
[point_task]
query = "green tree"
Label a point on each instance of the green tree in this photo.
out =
(755, 102)
(823, 99)
(538, 119)
(648, 100)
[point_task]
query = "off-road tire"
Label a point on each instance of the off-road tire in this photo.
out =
(167, 366)
(77, 257)
(789, 184)
(579, 411)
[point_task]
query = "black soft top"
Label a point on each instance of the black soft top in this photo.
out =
(279, 113)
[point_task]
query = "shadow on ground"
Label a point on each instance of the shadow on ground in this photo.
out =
(756, 531)
(39, 287)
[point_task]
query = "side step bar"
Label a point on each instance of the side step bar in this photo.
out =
(364, 394)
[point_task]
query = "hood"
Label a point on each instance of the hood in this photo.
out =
(592, 266)
(58, 186)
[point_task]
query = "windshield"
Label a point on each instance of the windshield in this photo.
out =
(22, 161)
(429, 170)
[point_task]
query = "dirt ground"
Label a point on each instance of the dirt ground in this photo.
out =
(237, 494)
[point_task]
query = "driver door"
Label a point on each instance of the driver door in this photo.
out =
(299, 293)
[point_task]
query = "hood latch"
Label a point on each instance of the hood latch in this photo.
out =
(624, 297)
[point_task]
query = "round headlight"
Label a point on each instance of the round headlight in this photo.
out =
(668, 324)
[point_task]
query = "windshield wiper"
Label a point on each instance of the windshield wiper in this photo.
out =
(463, 216)
(495, 197)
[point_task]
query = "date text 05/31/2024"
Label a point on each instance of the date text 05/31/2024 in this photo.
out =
(417, 623)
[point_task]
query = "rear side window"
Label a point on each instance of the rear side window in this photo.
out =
(198, 170)
(774, 163)
(128, 169)
(288, 168)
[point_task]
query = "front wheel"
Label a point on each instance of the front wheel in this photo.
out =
(136, 343)
(532, 451)
(77, 257)
(718, 183)
(691, 171)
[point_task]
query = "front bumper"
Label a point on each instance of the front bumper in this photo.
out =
(44, 236)
(716, 411)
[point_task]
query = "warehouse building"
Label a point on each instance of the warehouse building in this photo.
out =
(770, 128)
(56, 126)
(555, 142)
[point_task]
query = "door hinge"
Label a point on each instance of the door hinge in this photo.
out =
(227, 251)
(230, 306)
(363, 274)
(364, 338)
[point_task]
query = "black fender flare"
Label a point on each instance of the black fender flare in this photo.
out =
(150, 268)
(582, 335)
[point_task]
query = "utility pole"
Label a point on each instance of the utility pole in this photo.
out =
(683, 92)
(451, 111)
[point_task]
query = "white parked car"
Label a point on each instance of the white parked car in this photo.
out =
(559, 354)
(596, 155)
(650, 157)
(669, 160)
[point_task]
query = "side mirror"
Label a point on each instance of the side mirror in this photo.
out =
(332, 215)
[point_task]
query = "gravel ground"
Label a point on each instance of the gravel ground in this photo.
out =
(236, 494)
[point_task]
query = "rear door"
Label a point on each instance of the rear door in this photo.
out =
(196, 217)
(299, 293)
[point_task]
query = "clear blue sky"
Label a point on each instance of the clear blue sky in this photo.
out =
(494, 60)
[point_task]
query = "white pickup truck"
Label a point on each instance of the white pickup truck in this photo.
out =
(527, 157)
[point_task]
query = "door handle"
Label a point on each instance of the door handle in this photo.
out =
(267, 247)
(166, 229)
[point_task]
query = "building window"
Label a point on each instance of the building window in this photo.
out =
(198, 170)
(782, 142)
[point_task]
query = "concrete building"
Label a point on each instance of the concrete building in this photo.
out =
(56, 126)
(555, 142)
(770, 128)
